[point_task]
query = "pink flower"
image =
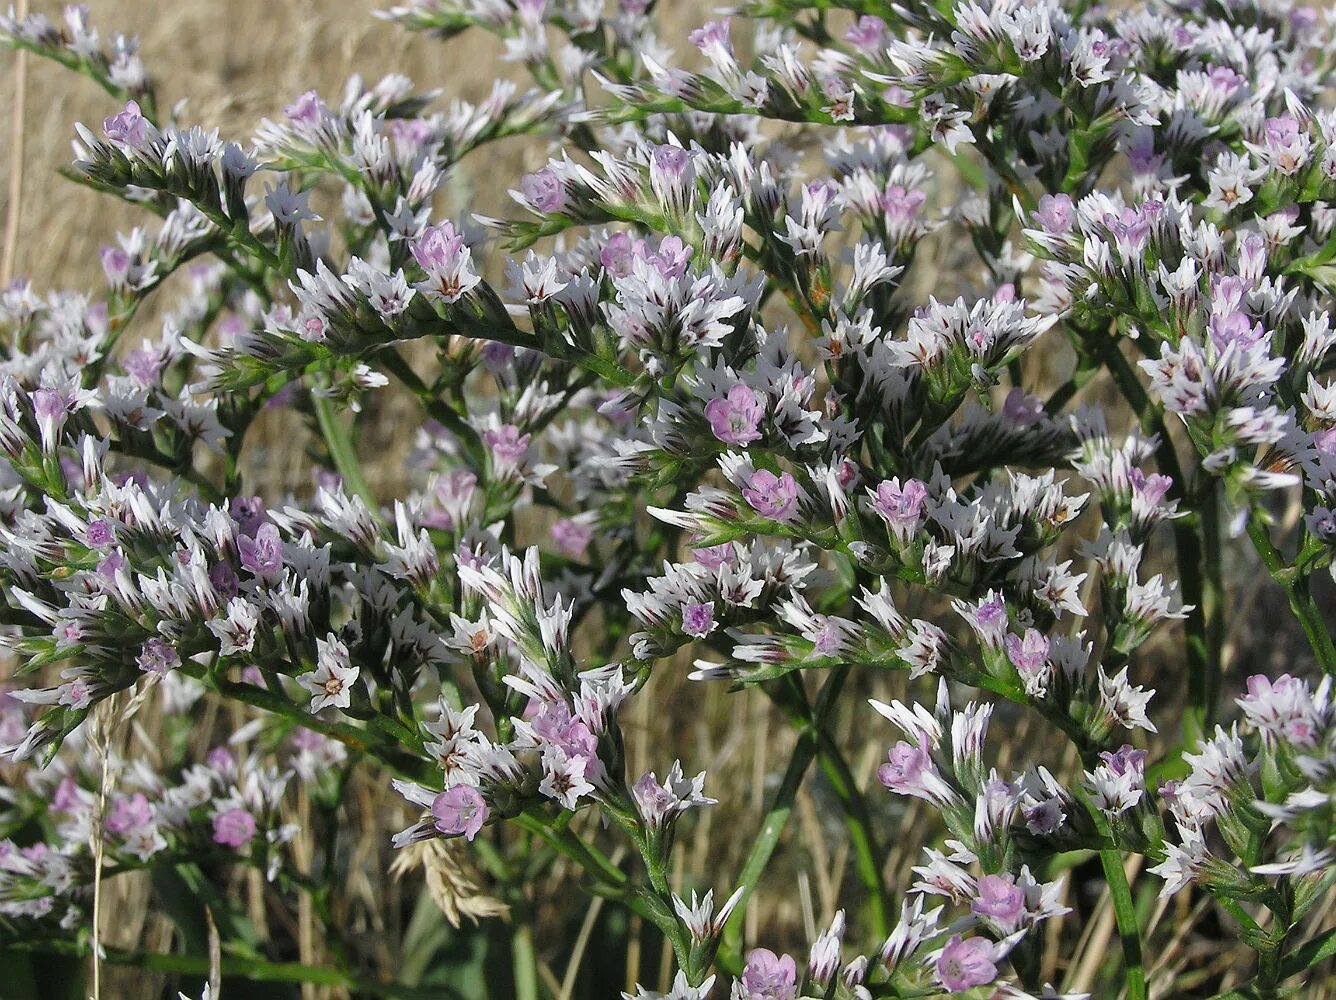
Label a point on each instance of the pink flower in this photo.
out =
(736, 418)
(965, 963)
(771, 495)
(233, 828)
(768, 976)
(900, 506)
(263, 553)
(543, 190)
(697, 619)
(571, 537)
(1000, 898)
(459, 810)
(1029, 654)
(129, 813)
(127, 126)
(507, 443)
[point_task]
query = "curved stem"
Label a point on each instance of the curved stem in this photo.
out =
(1295, 585)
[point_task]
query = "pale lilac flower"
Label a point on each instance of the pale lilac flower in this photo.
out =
(866, 33)
(234, 827)
(771, 496)
(1029, 654)
(1056, 214)
(507, 444)
(460, 810)
(1284, 709)
(900, 506)
(100, 533)
(543, 191)
(307, 110)
(698, 619)
(52, 407)
(966, 962)
(619, 253)
(736, 418)
(660, 803)
(910, 771)
(768, 976)
(988, 618)
(128, 813)
(713, 556)
(128, 126)
(1022, 409)
(262, 553)
(572, 537)
(1001, 900)
(447, 261)
(158, 657)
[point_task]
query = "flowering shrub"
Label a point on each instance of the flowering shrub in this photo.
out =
(983, 344)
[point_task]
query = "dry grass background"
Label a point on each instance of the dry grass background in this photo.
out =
(245, 59)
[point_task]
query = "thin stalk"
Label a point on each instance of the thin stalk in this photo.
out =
(1295, 585)
(867, 855)
(777, 818)
(1197, 551)
(342, 452)
(1125, 915)
(525, 963)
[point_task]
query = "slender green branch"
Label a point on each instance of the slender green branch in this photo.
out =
(343, 453)
(1295, 585)
(777, 818)
(1125, 914)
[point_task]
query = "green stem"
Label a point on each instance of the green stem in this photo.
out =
(777, 818)
(1198, 552)
(392, 755)
(1125, 914)
(342, 453)
(525, 963)
(1295, 585)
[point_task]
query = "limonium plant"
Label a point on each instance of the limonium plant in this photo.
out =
(706, 402)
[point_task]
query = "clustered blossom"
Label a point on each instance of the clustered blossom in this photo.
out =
(754, 382)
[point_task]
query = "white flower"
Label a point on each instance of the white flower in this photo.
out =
(331, 681)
